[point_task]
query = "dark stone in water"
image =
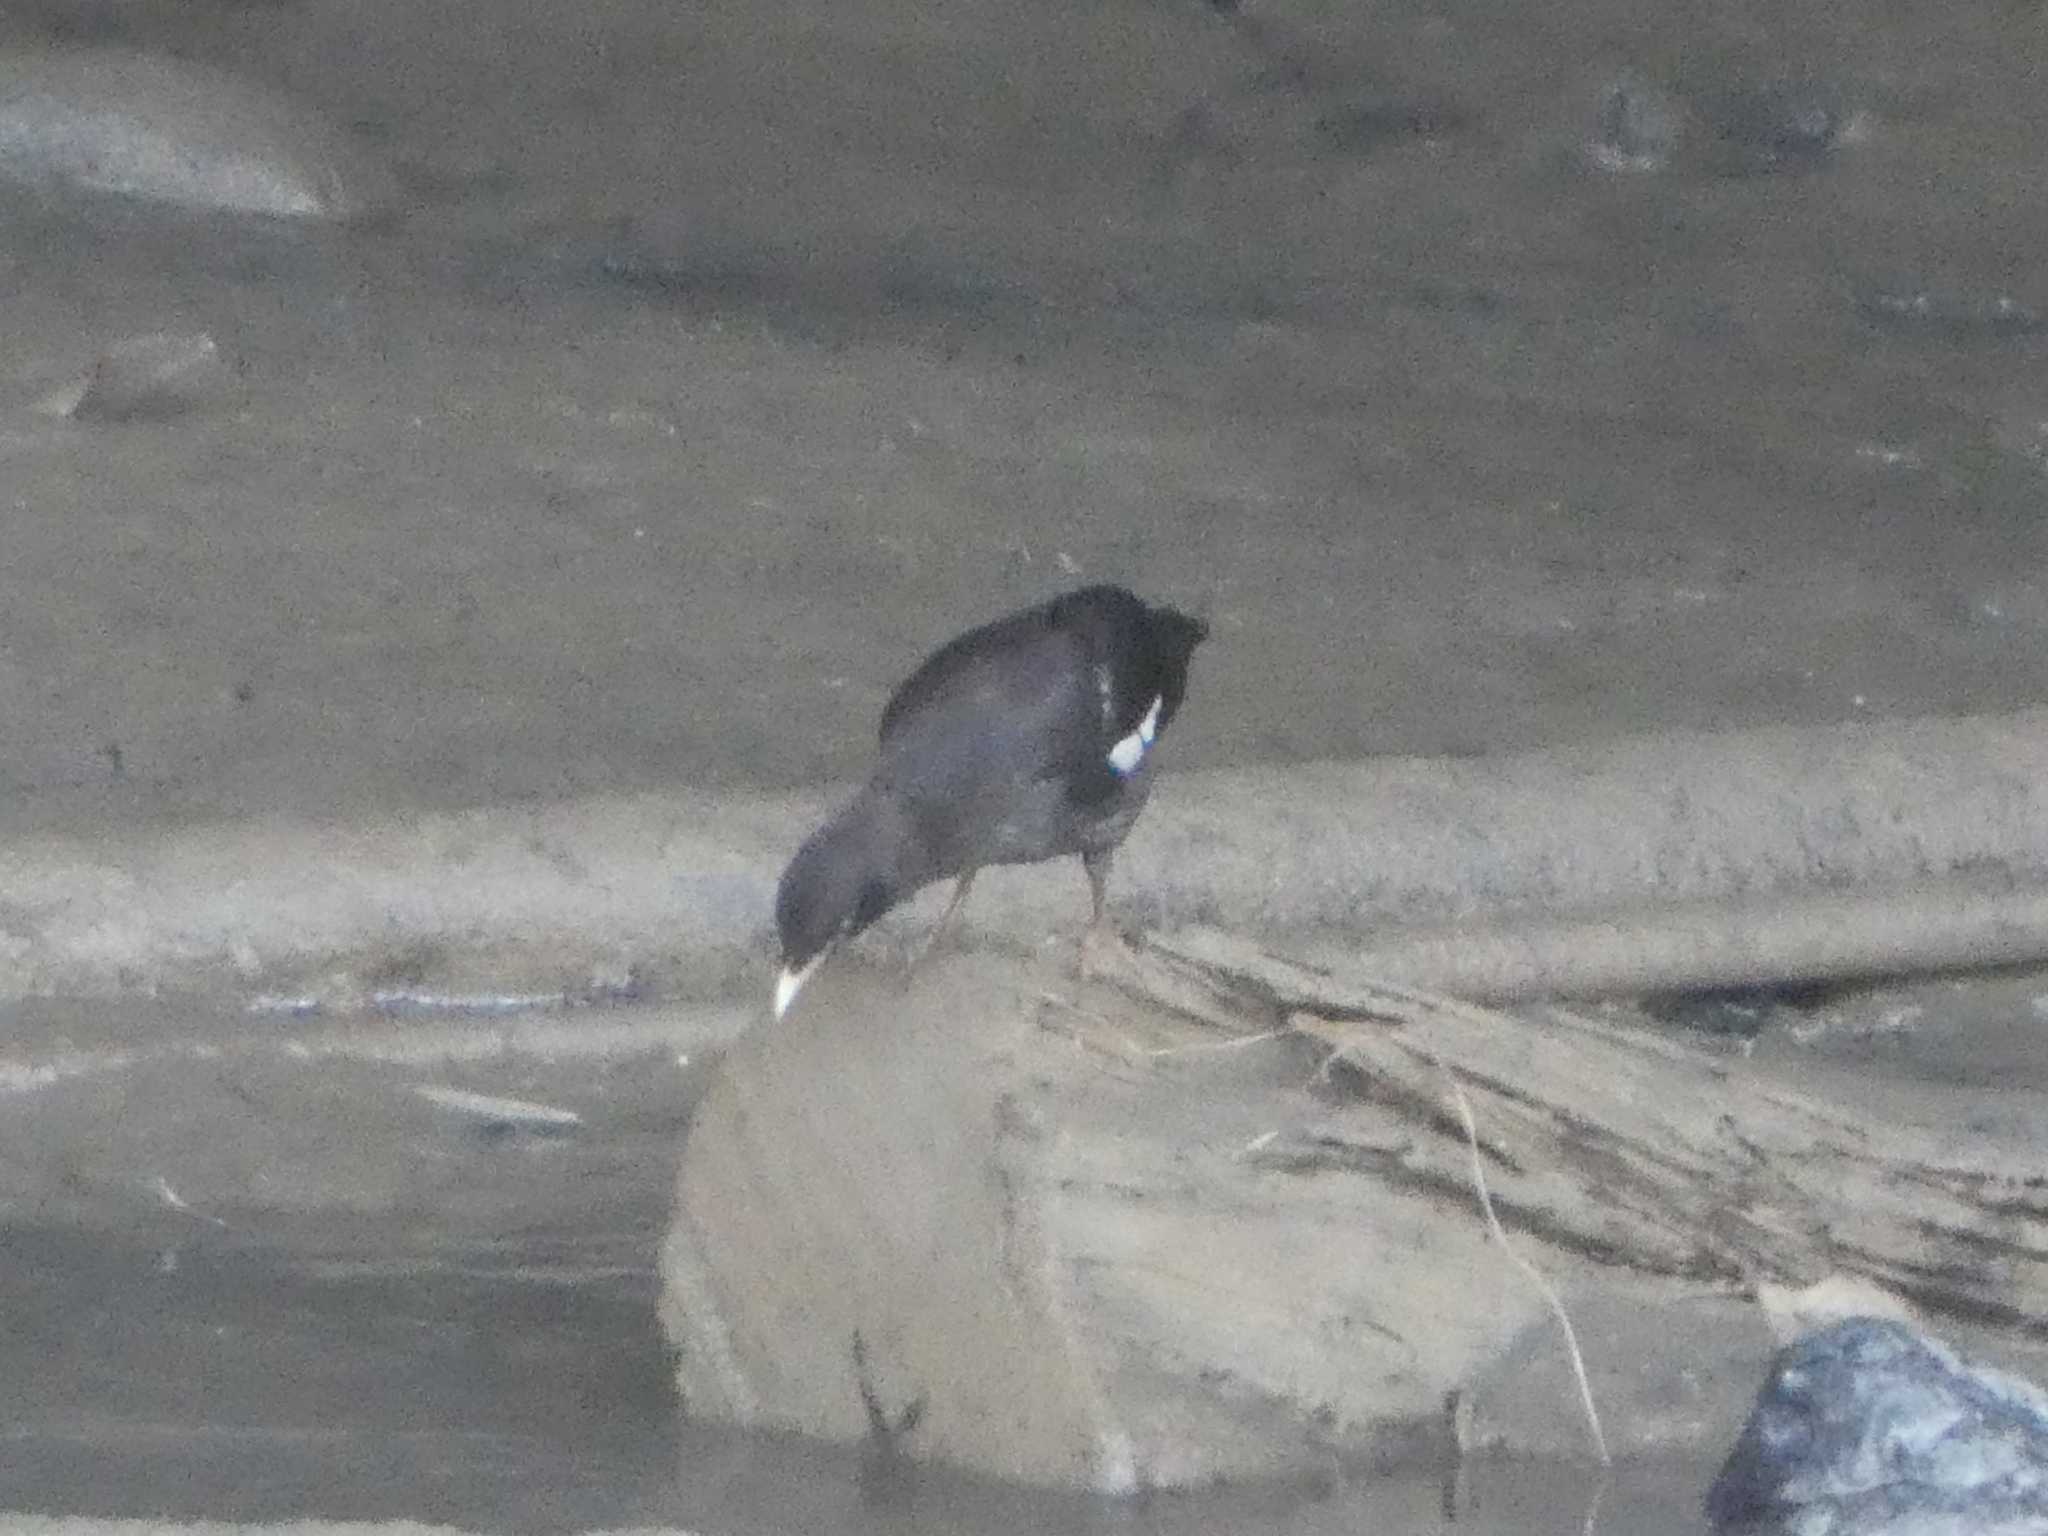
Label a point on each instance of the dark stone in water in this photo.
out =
(1368, 124)
(1777, 130)
(1950, 316)
(1867, 1428)
(1635, 128)
(1741, 1012)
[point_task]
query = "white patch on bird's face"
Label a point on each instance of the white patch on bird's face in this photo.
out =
(1125, 756)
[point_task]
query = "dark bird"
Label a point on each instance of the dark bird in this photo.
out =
(1025, 739)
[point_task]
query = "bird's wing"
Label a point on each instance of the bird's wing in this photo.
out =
(1103, 627)
(1021, 706)
(936, 679)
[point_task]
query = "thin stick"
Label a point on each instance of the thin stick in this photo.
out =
(1535, 1275)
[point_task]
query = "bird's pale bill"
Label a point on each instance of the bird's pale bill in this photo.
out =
(792, 980)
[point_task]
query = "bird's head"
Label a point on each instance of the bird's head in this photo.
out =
(1173, 636)
(841, 880)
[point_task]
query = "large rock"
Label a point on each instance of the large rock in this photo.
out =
(1048, 1217)
(1061, 1234)
(120, 121)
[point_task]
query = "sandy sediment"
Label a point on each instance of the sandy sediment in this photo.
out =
(1936, 831)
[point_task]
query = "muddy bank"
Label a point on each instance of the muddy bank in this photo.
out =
(699, 393)
(673, 892)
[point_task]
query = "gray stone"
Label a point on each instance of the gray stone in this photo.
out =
(168, 130)
(1869, 1428)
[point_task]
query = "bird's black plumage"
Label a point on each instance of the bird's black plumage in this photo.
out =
(1024, 739)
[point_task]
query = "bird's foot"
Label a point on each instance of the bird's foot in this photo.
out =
(1106, 955)
(1145, 974)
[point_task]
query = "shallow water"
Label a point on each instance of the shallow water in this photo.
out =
(452, 1319)
(265, 1265)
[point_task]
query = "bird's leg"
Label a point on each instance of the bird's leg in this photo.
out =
(1101, 945)
(960, 889)
(1097, 863)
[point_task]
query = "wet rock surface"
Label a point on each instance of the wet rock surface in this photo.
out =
(1870, 1428)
